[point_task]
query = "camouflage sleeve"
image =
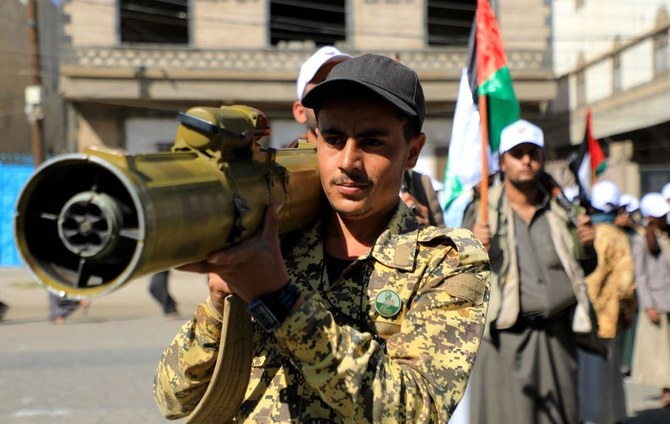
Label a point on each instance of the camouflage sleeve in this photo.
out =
(186, 366)
(421, 373)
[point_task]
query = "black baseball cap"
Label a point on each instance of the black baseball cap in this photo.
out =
(389, 79)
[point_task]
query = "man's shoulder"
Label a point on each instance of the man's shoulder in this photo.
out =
(611, 231)
(463, 240)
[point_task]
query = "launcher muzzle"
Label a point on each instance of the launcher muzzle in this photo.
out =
(87, 223)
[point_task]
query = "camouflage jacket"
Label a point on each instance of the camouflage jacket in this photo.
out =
(613, 279)
(337, 359)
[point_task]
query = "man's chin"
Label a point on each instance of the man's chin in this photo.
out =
(525, 183)
(351, 212)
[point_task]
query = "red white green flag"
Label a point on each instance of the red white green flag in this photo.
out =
(493, 75)
(591, 161)
(487, 75)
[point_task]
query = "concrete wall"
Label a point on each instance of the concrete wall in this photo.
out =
(221, 24)
(374, 23)
(93, 23)
(593, 28)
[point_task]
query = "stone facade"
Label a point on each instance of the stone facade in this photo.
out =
(229, 59)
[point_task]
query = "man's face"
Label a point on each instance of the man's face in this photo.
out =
(522, 164)
(660, 223)
(362, 153)
(623, 219)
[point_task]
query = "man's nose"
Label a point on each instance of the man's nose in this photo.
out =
(350, 156)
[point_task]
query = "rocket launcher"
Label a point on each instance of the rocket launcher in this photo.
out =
(88, 223)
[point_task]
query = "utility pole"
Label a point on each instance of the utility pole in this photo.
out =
(34, 92)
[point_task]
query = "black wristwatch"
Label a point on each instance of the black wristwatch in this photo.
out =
(270, 310)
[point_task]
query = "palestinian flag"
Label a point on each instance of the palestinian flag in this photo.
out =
(493, 75)
(486, 74)
(590, 161)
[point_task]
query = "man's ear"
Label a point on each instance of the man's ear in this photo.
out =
(415, 146)
(299, 112)
(502, 165)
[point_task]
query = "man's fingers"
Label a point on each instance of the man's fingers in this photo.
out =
(271, 224)
(201, 267)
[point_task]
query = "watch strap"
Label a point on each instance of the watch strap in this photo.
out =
(271, 309)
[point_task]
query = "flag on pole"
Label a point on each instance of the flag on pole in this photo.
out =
(486, 74)
(590, 161)
(465, 149)
(493, 75)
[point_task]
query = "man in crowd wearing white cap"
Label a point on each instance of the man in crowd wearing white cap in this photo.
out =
(526, 367)
(313, 71)
(629, 213)
(611, 286)
(665, 191)
(628, 219)
(651, 358)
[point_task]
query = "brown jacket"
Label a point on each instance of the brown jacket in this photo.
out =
(613, 279)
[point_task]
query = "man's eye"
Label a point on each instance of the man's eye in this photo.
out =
(372, 142)
(331, 140)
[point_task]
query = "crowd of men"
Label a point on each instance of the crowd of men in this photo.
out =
(381, 313)
(540, 302)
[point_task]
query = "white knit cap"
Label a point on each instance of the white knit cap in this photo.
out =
(665, 191)
(520, 132)
(605, 196)
(653, 204)
(312, 65)
(629, 202)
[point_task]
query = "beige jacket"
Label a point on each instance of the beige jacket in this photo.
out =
(613, 279)
(504, 305)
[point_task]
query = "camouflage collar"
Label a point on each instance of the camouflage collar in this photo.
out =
(396, 246)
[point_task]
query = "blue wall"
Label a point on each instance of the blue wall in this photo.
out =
(12, 178)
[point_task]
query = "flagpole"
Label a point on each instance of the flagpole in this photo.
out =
(484, 187)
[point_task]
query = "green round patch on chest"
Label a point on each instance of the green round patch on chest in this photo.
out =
(388, 303)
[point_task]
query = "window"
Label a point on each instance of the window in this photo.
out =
(616, 73)
(449, 22)
(661, 53)
(581, 88)
(154, 21)
(322, 22)
(580, 80)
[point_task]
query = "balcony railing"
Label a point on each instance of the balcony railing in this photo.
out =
(442, 63)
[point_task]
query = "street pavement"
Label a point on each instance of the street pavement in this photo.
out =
(98, 366)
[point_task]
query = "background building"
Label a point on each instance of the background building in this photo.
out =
(129, 65)
(16, 73)
(116, 72)
(614, 58)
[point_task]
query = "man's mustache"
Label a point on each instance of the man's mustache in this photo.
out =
(351, 178)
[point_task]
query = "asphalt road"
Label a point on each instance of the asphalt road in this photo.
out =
(98, 366)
